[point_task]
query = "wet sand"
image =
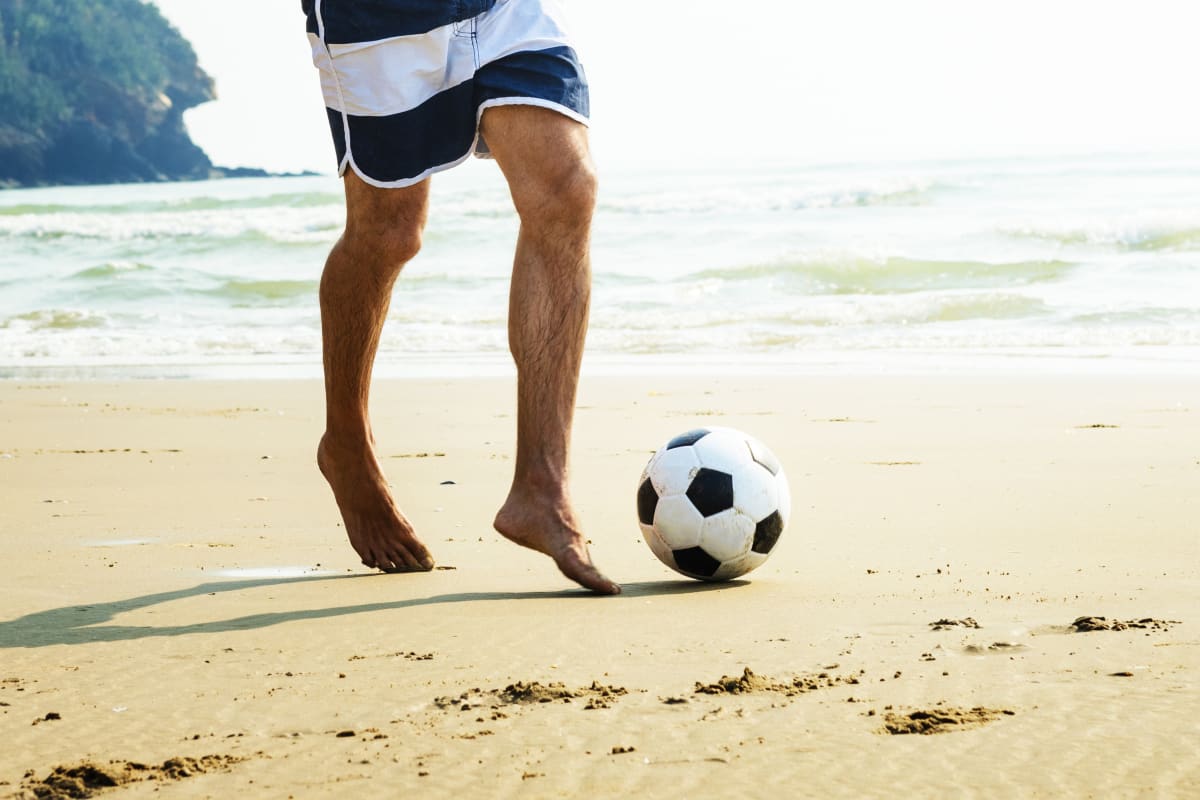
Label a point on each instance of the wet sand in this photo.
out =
(181, 616)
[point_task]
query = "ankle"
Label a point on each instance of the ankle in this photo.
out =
(340, 456)
(545, 486)
(347, 438)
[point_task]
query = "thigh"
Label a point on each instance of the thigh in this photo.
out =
(539, 150)
(385, 212)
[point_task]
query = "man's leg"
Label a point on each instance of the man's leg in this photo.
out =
(544, 156)
(383, 232)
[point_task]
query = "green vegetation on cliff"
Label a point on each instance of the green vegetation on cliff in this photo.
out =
(94, 91)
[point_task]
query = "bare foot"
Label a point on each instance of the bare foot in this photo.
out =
(547, 525)
(378, 532)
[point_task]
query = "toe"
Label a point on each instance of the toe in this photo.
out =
(580, 569)
(400, 559)
(387, 564)
(413, 562)
(422, 557)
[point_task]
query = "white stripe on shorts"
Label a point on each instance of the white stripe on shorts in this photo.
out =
(390, 76)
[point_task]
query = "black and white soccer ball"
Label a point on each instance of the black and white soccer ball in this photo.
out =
(712, 503)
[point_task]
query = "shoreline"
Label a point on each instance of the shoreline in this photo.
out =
(1159, 361)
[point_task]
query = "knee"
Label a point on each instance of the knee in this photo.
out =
(563, 195)
(366, 260)
(390, 245)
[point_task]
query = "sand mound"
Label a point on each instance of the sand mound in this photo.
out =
(940, 720)
(1088, 624)
(87, 779)
(946, 624)
(750, 683)
(532, 692)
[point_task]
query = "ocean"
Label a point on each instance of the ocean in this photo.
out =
(1049, 264)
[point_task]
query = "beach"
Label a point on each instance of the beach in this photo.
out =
(941, 267)
(181, 610)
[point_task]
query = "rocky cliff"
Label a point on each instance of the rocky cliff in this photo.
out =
(93, 91)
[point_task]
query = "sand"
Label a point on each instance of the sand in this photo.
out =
(180, 613)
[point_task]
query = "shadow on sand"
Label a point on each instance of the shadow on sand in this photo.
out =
(82, 624)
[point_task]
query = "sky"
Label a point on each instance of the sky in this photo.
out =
(793, 81)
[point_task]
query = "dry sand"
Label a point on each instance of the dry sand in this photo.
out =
(180, 614)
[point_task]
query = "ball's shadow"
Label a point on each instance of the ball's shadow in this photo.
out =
(650, 588)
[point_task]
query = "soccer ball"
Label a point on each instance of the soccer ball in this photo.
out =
(712, 503)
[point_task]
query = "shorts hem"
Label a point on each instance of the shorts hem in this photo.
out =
(399, 183)
(566, 111)
(348, 161)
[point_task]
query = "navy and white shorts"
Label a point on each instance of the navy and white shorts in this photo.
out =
(406, 81)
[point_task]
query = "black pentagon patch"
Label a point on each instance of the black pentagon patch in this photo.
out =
(694, 561)
(687, 439)
(766, 533)
(765, 457)
(711, 491)
(647, 502)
